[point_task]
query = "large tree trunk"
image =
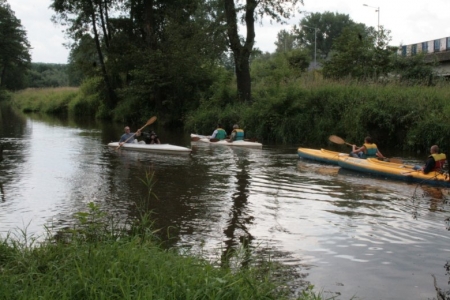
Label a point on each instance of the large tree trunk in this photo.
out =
(111, 95)
(241, 52)
(103, 16)
(149, 21)
(2, 76)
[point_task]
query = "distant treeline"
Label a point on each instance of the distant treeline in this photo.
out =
(43, 75)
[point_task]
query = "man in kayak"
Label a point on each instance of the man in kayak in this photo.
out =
(367, 150)
(237, 134)
(128, 137)
(434, 162)
(219, 133)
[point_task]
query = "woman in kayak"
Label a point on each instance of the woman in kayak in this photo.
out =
(367, 150)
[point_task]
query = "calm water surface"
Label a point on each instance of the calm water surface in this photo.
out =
(346, 234)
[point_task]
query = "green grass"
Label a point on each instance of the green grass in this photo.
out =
(46, 100)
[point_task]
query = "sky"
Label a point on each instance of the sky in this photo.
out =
(408, 22)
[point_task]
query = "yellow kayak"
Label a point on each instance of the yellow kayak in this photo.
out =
(321, 155)
(404, 172)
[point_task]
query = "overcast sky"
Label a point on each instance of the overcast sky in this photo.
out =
(409, 21)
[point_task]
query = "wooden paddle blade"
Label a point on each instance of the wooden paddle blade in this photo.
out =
(195, 139)
(149, 122)
(395, 160)
(336, 139)
(214, 140)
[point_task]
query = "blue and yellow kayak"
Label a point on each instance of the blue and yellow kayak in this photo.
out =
(321, 155)
(390, 170)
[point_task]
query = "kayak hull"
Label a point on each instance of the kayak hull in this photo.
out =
(395, 171)
(321, 155)
(205, 139)
(160, 148)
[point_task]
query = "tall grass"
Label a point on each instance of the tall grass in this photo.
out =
(307, 111)
(46, 100)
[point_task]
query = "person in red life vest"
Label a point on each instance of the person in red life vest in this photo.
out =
(435, 162)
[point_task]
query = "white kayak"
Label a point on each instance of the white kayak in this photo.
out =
(206, 139)
(165, 148)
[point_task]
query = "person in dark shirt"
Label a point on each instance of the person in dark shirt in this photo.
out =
(434, 162)
(152, 138)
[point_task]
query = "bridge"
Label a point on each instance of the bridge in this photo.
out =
(435, 50)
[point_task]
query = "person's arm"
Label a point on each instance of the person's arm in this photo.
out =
(157, 141)
(379, 154)
(138, 133)
(356, 150)
(213, 136)
(232, 135)
(429, 165)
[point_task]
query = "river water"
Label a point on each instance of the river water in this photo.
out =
(348, 235)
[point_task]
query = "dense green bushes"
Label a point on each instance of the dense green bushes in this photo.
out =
(308, 112)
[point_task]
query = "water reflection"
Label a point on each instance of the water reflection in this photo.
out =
(236, 231)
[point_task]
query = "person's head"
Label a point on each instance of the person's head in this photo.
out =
(368, 140)
(219, 125)
(434, 149)
(127, 129)
(235, 126)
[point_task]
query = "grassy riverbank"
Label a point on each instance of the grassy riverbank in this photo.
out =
(100, 259)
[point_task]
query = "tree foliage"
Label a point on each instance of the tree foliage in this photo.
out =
(47, 75)
(14, 49)
(320, 30)
(285, 42)
(360, 54)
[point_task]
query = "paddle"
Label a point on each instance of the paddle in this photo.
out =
(150, 121)
(340, 141)
(195, 139)
(337, 140)
(395, 160)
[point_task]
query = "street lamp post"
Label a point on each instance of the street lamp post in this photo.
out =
(315, 44)
(378, 11)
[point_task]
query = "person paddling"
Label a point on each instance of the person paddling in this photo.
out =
(367, 150)
(128, 137)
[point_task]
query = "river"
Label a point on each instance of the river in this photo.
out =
(348, 235)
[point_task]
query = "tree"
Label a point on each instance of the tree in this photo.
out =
(15, 57)
(326, 26)
(91, 16)
(360, 54)
(285, 41)
(242, 47)
(414, 69)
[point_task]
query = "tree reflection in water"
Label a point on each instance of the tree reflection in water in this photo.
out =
(236, 231)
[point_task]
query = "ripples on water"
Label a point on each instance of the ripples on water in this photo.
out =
(346, 234)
